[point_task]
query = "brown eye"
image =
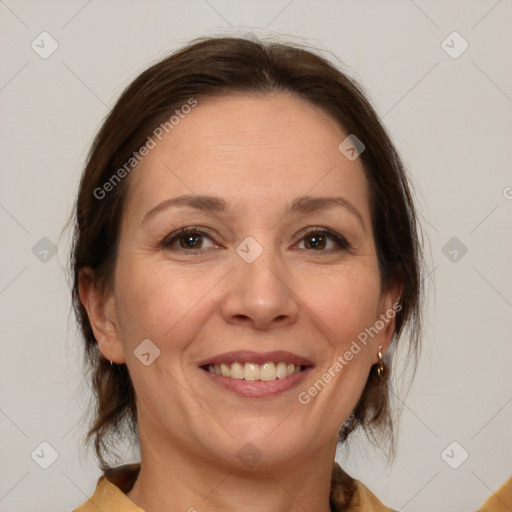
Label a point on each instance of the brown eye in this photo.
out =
(188, 239)
(324, 240)
(316, 241)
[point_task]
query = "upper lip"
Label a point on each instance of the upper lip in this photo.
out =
(257, 357)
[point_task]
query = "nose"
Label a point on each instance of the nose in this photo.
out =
(260, 294)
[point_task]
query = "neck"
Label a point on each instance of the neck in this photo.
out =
(173, 479)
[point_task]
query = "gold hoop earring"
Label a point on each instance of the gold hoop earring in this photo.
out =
(381, 367)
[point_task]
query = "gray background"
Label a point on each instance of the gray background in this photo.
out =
(451, 120)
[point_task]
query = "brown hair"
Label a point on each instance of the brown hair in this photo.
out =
(214, 67)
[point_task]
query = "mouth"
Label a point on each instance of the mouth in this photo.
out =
(252, 374)
(253, 371)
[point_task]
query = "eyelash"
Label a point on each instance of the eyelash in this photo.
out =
(342, 243)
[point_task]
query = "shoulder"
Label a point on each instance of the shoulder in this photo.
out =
(109, 495)
(351, 495)
(500, 501)
(365, 501)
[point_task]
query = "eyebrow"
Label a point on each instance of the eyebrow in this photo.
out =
(215, 204)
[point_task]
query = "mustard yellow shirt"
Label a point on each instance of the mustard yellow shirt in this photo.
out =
(347, 494)
(500, 501)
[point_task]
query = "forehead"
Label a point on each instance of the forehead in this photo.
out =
(249, 149)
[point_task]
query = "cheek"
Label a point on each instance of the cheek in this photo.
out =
(158, 302)
(346, 303)
(343, 307)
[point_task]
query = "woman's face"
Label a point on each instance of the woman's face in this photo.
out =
(253, 276)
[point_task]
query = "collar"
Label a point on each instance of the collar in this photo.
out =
(347, 494)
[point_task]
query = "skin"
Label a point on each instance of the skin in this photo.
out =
(258, 153)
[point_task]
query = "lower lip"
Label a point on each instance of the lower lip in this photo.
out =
(257, 388)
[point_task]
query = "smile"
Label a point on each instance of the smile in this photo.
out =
(253, 374)
(254, 371)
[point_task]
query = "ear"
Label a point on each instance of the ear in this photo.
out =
(102, 315)
(389, 306)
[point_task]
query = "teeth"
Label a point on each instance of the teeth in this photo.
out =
(281, 370)
(253, 371)
(224, 368)
(237, 371)
(268, 371)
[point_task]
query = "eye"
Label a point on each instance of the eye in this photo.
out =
(188, 239)
(192, 239)
(322, 240)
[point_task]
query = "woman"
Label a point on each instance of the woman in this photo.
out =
(246, 252)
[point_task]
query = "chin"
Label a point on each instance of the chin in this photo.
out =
(264, 448)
